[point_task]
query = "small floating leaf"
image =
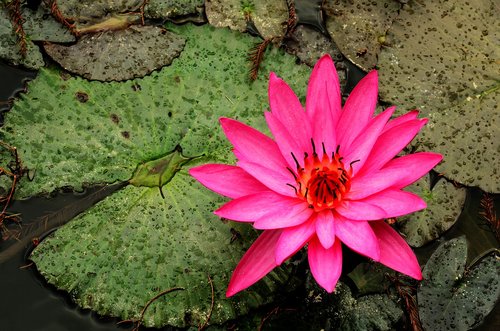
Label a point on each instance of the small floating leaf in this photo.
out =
(157, 173)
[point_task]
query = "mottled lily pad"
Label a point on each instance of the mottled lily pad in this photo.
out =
(83, 11)
(452, 297)
(439, 53)
(135, 243)
(444, 205)
(457, 60)
(118, 55)
(86, 11)
(358, 27)
(159, 9)
(269, 17)
(468, 136)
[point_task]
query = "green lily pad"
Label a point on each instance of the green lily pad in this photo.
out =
(76, 132)
(269, 17)
(118, 55)
(444, 205)
(452, 296)
(456, 60)
(359, 27)
(134, 244)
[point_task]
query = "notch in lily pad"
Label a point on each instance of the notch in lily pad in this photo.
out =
(159, 172)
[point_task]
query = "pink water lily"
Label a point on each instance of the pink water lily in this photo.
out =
(329, 177)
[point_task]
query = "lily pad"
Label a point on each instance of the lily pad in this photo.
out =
(452, 297)
(444, 205)
(9, 47)
(358, 27)
(91, 10)
(269, 17)
(76, 132)
(159, 9)
(370, 278)
(468, 136)
(369, 312)
(118, 55)
(457, 60)
(40, 25)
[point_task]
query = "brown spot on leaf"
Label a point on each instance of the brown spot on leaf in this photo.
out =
(114, 118)
(136, 87)
(126, 134)
(82, 96)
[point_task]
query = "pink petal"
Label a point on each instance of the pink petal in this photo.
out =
(286, 108)
(363, 144)
(358, 110)
(293, 239)
(323, 104)
(358, 236)
(395, 202)
(252, 145)
(257, 262)
(416, 165)
(394, 251)
(274, 180)
(266, 208)
(280, 218)
(230, 181)
(360, 210)
(398, 173)
(390, 143)
(325, 229)
(411, 115)
(286, 142)
(325, 264)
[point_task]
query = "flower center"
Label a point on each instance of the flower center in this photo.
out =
(322, 182)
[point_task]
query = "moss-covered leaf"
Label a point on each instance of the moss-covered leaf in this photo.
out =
(75, 132)
(444, 205)
(440, 56)
(358, 27)
(452, 297)
(119, 55)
